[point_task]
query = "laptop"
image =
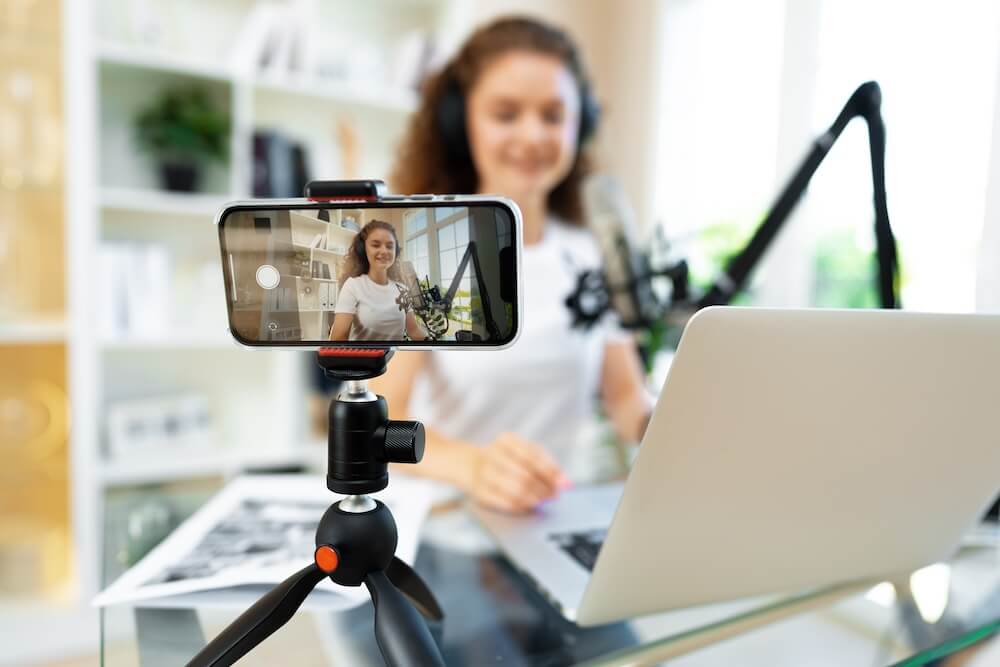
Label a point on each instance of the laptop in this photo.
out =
(789, 449)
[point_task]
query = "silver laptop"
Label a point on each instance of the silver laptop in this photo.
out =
(789, 449)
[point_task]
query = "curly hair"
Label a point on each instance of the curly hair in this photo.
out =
(426, 165)
(356, 263)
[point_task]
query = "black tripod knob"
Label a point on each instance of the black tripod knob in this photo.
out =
(404, 441)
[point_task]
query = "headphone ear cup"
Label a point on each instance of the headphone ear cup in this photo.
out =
(590, 115)
(450, 118)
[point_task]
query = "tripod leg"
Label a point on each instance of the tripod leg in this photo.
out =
(401, 633)
(413, 587)
(260, 621)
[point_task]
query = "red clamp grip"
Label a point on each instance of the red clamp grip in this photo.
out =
(353, 352)
(352, 363)
(345, 191)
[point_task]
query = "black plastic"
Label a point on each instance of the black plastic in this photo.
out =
(260, 621)
(413, 587)
(346, 364)
(371, 189)
(402, 636)
(356, 460)
(365, 541)
(404, 441)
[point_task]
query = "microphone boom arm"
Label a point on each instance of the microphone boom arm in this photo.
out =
(865, 103)
(592, 294)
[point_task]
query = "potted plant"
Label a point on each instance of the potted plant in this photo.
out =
(183, 130)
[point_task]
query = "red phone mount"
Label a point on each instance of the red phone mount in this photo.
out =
(347, 364)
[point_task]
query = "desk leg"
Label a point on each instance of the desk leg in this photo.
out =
(167, 637)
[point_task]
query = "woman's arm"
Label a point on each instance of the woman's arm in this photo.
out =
(346, 306)
(623, 391)
(341, 329)
(509, 474)
(413, 328)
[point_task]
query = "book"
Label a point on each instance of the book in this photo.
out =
(256, 532)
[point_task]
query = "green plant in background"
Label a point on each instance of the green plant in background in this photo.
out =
(844, 273)
(184, 125)
(184, 129)
(717, 244)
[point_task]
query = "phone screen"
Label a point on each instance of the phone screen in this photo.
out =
(372, 274)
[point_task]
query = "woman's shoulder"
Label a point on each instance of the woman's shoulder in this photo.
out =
(353, 284)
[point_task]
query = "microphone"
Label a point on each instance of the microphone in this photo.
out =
(626, 274)
(412, 284)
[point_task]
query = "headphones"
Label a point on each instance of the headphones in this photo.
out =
(450, 117)
(362, 255)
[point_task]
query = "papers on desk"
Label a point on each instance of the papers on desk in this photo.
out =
(253, 534)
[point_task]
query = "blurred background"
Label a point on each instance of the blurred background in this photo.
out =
(125, 124)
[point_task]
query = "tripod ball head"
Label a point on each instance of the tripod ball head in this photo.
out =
(363, 441)
(365, 542)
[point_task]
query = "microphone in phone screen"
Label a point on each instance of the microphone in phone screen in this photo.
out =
(412, 284)
(611, 219)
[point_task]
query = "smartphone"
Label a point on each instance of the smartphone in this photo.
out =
(421, 271)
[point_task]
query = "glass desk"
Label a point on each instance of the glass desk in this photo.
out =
(495, 617)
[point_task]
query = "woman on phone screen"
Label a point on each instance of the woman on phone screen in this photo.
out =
(367, 308)
(511, 114)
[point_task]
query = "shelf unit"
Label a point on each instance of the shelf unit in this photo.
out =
(258, 399)
(33, 332)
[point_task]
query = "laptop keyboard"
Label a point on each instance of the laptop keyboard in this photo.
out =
(582, 547)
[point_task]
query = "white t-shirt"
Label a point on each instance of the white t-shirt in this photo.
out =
(546, 386)
(376, 314)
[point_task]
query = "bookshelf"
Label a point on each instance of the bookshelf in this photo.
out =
(125, 53)
(33, 332)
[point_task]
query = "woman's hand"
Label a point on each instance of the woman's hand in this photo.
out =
(513, 474)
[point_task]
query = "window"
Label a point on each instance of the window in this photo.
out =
(719, 130)
(416, 252)
(747, 86)
(938, 75)
(415, 220)
(442, 213)
(436, 241)
(452, 240)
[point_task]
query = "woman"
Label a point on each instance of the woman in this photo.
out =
(508, 116)
(367, 307)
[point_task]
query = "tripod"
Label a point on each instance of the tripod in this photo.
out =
(356, 538)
